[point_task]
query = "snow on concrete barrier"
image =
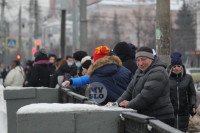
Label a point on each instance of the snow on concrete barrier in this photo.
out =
(69, 118)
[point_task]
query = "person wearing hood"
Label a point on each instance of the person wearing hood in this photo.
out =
(107, 71)
(182, 92)
(15, 76)
(149, 91)
(40, 74)
(126, 54)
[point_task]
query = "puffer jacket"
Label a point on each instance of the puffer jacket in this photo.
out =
(110, 72)
(183, 97)
(15, 77)
(148, 92)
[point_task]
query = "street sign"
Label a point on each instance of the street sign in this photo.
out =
(11, 43)
(26, 45)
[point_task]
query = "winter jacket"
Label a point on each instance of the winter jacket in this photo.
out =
(40, 74)
(15, 77)
(148, 92)
(183, 97)
(110, 72)
(81, 81)
(63, 72)
(130, 64)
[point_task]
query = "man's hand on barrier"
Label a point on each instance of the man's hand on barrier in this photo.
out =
(65, 84)
(124, 103)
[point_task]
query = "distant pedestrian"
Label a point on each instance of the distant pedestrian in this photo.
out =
(15, 76)
(28, 69)
(52, 61)
(72, 65)
(62, 73)
(78, 55)
(182, 92)
(40, 74)
(149, 91)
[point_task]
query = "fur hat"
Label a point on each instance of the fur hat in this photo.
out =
(79, 55)
(41, 55)
(145, 52)
(176, 59)
(100, 52)
(86, 62)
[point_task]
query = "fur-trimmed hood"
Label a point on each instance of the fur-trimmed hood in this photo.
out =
(107, 60)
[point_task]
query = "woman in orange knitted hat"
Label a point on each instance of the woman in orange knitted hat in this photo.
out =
(107, 71)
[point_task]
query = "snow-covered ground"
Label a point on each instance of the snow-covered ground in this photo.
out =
(3, 114)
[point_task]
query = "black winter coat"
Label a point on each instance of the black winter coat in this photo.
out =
(40, 76)
(62, 71)
(148, 92)
(183, 97)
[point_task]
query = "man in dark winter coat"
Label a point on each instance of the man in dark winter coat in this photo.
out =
(148, 92)
(108, 71)
(182, 92)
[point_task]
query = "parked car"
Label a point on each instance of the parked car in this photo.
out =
(195, 73)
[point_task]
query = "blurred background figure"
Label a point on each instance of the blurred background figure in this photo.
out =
(40, 74)
(71, 64)
(27, 70)
(15, 76)
(62, 73)
(78, 57)
(52, 61)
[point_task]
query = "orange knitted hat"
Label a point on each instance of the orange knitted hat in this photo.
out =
(100, 52)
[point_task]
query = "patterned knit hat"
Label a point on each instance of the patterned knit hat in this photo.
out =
(86, 62)
(100, 52)
(176, 59)
(145, 52)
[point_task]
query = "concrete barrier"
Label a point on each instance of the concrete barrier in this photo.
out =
(16, 97)
(68, 118)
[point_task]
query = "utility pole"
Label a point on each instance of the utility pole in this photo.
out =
(20, 32)
(63, 27)
(30, 29)
(163, 30)
(75, 25)
(1, 30)
(36, 12)
(83, 26)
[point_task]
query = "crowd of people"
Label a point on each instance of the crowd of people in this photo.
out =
(133, 78)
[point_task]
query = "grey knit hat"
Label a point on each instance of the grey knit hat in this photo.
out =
(145, 52)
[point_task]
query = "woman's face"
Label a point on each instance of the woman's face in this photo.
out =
(177, 68)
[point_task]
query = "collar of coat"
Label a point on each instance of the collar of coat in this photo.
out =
(106, 60)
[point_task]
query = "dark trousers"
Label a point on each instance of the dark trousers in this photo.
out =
(169, 122)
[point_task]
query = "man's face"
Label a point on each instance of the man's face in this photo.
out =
(143, 63)
(52, 60)
(70, 60)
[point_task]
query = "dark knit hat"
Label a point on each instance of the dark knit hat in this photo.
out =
(176, 59)
(132, 50)
(86, 62)
(145, 52)
(122, 50)
(79, 55)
